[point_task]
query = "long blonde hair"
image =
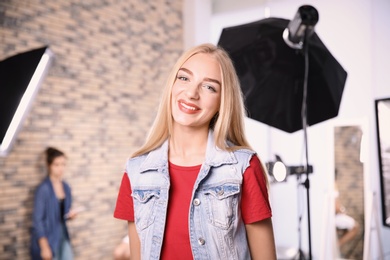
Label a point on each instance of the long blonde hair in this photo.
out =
(228, 123)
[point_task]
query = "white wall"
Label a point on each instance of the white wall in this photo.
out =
(196, 18)
(357, 33)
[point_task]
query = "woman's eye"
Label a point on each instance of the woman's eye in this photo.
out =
(183, 78)
(211, 88)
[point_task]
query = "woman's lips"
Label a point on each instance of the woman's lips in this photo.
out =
(188, 107)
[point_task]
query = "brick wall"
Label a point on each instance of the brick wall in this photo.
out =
(96, 104)
(350, 183)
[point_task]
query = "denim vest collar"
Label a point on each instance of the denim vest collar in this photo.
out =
(215, 156)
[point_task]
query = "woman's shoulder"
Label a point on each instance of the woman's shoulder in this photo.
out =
(246, 156)
(137, 159)
(43, 186)
(239, 148)
(135, 162)
(244, 151)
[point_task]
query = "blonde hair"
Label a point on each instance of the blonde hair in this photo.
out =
(228, 123)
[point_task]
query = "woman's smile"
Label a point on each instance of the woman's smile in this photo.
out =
(187, 107)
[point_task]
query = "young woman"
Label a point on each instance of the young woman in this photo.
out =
(195, 189)
(52, 203)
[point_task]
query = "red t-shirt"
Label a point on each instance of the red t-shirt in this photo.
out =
(254, 205)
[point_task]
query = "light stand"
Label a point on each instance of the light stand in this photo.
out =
(271, 70)
(306, 183)
(297, 35)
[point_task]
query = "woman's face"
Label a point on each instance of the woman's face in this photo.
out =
(196, 92)
(57, 167)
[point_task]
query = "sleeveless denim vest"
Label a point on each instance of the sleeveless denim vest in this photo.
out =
(216, 228)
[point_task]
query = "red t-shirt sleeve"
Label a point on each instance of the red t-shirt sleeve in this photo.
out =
(254, 201)
(124, 203)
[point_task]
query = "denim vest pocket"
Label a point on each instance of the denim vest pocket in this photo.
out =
(222, 204)
(144, 204)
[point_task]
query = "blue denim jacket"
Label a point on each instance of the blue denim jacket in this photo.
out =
(47, 217)
(216, 228)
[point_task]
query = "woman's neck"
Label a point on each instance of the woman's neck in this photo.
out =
(55, 179)
(188, 148)
(57, 186)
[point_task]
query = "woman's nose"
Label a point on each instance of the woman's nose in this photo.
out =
(192, 91)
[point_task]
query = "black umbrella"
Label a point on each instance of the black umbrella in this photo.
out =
(272, 74)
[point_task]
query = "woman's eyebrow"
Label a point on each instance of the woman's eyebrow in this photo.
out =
(205, 79)
(186, 70)
(213, 80)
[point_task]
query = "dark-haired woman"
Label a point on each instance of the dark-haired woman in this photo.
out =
(52, 208)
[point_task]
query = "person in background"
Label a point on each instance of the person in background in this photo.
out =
(348, 227)
(122, 250)
(196, 189)
(52, 208)
(346, 223)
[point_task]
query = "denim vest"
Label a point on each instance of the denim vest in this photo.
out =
(215, 225)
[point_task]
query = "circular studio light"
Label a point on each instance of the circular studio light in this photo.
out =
(279, 171)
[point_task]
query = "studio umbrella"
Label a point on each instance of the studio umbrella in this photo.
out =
(272, 74)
